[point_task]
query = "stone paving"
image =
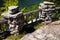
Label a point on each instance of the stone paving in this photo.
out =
(46, 32)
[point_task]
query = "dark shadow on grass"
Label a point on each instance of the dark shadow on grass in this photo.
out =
(54, 19)
(27, 29)
(30, 27)
(4, 34)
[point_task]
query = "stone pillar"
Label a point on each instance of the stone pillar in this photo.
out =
(47, 11)
(15, 19)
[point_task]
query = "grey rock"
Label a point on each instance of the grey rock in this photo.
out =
(47, 10)
(50, 3)
(47, 32)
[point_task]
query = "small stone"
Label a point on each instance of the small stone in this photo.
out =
(50, 3)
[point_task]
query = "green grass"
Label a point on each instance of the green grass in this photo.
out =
(17, 37)
(38, 26)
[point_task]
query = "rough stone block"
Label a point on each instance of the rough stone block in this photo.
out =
(48, 3)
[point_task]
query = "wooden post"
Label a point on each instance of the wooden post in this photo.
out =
(26, 19)
(1, 27)
(31, 17)
(37, 15)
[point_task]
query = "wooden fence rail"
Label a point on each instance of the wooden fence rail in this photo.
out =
(31, 16)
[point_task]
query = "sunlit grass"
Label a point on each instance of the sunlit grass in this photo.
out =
(17, 37)
(38, 26)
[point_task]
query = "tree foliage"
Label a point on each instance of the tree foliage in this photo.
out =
(6, 3)
(10, 3)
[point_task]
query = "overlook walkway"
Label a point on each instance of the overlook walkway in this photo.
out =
(15, 21)
(46, 32)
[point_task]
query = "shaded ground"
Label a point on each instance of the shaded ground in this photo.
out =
(46, 32)
(26, 29)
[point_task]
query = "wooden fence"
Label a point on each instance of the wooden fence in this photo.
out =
(30, 17)
(34, 16)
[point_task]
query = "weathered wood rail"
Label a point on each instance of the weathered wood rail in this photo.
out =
(29, 17)
(34, 16)
(57, 9)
